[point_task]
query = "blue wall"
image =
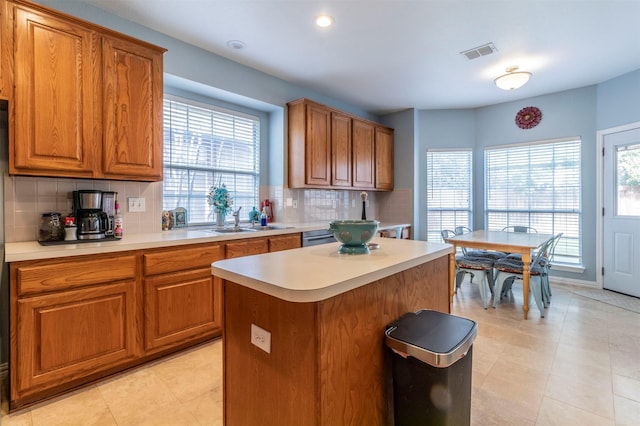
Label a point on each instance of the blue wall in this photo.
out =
(579, 112)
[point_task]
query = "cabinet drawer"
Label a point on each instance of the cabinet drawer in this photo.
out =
(247, 247)
(181, 259)
(285, 242)
(56, 274)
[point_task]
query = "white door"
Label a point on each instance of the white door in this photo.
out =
(621, 225)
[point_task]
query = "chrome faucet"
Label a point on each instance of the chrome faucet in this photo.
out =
(236, 218)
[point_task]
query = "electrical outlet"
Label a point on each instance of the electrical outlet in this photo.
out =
(136, 205)
(295, 204)
(261, 338)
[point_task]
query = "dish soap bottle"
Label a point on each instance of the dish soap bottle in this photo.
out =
(263, 217)
(118, 223)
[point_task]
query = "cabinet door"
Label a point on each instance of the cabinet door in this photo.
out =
(132, 93)
(55, 98)
(285, 242)
(340, 150)
(181, 307)
(318, 146)
(66, 336)
(363, 154)
(247, 247)
(384, 158)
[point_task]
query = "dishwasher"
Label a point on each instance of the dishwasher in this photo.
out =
(317, 237)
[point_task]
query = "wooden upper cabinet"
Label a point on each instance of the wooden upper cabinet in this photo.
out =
(54, 96)
(132, 93)
(332, 149)
(363, 154)
(384, 158)
(309, 145)
(340, 150)
(88, 100)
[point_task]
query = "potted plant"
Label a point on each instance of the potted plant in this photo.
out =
(220, 199)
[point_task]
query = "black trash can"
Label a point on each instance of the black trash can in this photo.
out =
(432, 355)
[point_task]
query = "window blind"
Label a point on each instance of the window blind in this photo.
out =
(537, 185)
(449, 191)
(206, 145)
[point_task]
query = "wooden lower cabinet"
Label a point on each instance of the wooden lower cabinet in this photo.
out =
(77, 319)
(65, 335)
(181, 307)
(182, 300)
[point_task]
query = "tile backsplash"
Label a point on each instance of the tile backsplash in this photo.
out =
(27, 198)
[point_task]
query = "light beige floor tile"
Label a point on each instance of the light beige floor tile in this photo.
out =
(593, 396)
(556, 413)
(627, 411)
(207, 408)
(86, 407)
(21, 418)
(627, 387)
(137, 397)
(625, 364)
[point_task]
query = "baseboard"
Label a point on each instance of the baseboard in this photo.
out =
(573, 282)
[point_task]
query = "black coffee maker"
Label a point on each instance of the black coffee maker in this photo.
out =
(91, 221)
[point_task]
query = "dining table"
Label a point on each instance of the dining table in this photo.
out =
(508, 242)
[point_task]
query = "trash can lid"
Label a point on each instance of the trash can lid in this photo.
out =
(433, 337)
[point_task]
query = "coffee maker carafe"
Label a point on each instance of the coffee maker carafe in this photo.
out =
(91, 221)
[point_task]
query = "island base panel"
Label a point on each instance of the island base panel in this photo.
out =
(328, 362)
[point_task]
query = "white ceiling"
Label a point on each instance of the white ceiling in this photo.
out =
(388, 55)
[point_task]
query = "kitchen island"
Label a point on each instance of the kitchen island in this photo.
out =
(303, 329)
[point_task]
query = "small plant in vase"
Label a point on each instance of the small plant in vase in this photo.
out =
(221, 202)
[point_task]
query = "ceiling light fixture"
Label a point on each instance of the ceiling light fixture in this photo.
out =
(513, 79)
(324, 21)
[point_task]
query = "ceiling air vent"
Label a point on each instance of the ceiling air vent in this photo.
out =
(476, 52)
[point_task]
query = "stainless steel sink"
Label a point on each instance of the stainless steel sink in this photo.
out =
(269, 227)
(231, 230)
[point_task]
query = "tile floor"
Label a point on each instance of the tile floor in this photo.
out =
(580, 365)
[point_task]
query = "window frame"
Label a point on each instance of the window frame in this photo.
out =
(569, 250)
(236, 111)
(434, 234)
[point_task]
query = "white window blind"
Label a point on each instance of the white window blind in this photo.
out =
(449, 191)
(537, 185)
(205, 145)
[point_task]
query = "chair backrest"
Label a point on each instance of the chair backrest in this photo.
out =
(543, 250)
(447, 233)
(518, 228)
(552, 247)
(462, 230)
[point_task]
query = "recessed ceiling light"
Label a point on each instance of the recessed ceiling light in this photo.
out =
(324, 21)
(236, 44)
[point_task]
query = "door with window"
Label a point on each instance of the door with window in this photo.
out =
(621, 225)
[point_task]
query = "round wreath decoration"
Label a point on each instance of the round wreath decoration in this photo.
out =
(528, 117)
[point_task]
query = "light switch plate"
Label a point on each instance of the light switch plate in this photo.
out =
(261, 338)
(136, 205)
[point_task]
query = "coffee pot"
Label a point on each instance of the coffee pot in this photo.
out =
(91, 220)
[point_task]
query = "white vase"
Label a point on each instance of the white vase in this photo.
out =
(219, 220)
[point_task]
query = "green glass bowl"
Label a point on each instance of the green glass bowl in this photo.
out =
(354, 234)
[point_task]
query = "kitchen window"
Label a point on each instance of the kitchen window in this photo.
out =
(206, 145)
(537, 185)
(449, 190)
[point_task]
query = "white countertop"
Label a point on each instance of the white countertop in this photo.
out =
(32, 250)
(311, 274)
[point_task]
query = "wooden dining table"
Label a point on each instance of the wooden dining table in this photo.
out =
(509, 242)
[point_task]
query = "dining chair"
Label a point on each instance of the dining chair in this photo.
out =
(510, 269)
(518, 228)
(467, 264)
(545, 263)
